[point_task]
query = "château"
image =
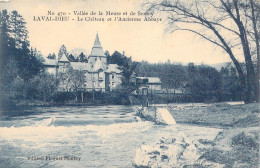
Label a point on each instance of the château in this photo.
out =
(98, 74)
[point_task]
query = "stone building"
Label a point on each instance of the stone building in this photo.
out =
(98, 74)
(152, 83)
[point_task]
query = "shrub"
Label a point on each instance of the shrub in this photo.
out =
(244, 140)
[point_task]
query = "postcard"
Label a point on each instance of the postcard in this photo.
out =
(120, 83)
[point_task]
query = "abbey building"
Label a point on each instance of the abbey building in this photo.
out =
(97, 73)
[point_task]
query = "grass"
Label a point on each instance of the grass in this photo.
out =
(238, 144)
(219, 115)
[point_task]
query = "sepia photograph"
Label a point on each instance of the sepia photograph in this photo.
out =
(129, 83)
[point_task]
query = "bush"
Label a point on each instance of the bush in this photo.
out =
(61, 97)
(243, 140)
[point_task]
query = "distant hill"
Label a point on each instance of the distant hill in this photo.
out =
(218, 66)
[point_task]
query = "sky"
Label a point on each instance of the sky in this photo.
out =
(142, 40)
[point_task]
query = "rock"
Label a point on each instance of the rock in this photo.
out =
(209, 164)
(170, 152)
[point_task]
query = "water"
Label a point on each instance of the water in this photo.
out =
(105, 136)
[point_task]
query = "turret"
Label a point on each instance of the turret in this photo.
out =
(97, 53)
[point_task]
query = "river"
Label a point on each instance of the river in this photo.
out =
(101, 136)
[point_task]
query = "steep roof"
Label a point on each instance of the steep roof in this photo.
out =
(113, 68)
(64, 58)
(50, 62)
(97, 49)
(98, 65)
(81, 66)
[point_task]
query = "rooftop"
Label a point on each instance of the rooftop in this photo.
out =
(151, 79)
(50, 62)
(64, 58)
(113, 68)
(97, 49)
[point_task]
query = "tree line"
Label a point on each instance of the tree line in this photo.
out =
(232, 25)
(23, 76)
(73, 58)
(19, 63)
(200, 83)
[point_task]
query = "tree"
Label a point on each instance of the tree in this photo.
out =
(18, 30)
(255, 18)
(82, 57)
(234, 88)
(15, 46)
(5, 38)
(223, 26)
(76, 78)
(72, 58)
(29, 65)
(204, 83)
(45, 86)
(117, 58)
(5, 41)
(178, 76)
(37, 55)
(128, 66)
(51, 56)
(62, 51)
(107, 53)
(72, 80)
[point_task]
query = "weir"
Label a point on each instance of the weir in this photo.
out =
(156, 114)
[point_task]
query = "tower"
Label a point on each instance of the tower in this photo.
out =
(97, 53)
(63, 63)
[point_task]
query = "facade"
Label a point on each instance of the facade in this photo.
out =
(152, 83)
(98, 75)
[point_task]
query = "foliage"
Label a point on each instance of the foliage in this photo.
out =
(230, 25)
(18, 63)
(51, 56)
(44, 86)
(82, 57)
(128, 67)
(15, 46)
(230, 88)
(72, 58)
(62, 51)
(202, 83)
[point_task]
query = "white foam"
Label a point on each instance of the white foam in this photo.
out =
(165, 116)
(43, 131)
(46, 122)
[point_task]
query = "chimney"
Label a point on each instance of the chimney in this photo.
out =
(123, 53)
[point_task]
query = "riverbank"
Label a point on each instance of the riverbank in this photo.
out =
(217, 115)
(237, 145)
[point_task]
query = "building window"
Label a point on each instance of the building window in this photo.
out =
(113, 84)
(100, 74)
